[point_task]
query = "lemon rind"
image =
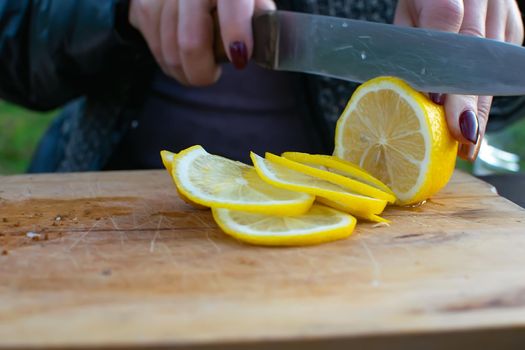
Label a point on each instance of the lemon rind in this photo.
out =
(342, 208)
(289, 207)
(343, 229)
(353, 185)
(336, 163)
(359, 202)
(416, 100)
(167, 159)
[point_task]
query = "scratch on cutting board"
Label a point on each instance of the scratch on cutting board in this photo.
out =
(376, 269)
(217, 248)
(73, 260)
(173, 259)
(115, 226)
(157, 233)
(205, 224)
(81, 238)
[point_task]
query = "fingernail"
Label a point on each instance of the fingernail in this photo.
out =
(239, 54)
(437, 98)
(469, 152)
(468, 124)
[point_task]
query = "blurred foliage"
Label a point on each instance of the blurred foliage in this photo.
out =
(20, 131)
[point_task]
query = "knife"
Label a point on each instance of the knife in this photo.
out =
(357, 51)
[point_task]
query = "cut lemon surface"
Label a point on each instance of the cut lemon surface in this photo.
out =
(289, 179)
(215, 181)
(399, 136)
(338, 179)
(320, 224)
(338, 166)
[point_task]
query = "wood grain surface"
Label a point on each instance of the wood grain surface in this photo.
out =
(116, 259)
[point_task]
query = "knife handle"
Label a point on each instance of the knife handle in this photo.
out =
(218, 46)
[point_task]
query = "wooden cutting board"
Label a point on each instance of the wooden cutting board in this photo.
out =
(118, 260)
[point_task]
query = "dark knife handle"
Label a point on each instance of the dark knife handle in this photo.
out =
(265, 36)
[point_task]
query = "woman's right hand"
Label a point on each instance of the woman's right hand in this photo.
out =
(180, 34)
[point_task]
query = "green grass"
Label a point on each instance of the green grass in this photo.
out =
(20, 131)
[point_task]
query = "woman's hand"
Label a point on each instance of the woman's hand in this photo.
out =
(180, 34)
(467, 116)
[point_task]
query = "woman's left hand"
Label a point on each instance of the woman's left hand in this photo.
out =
(467, 116)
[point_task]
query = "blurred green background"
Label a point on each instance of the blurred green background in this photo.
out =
(20, 131)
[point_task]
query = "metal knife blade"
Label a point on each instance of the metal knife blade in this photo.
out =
(357, 51)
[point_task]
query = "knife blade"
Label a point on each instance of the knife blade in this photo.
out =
(357, 51)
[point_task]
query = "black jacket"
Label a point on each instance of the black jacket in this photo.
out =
(52, 51)
(85, 55)
(79, 53)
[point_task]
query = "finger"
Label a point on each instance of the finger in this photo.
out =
(462, 111)
(169, 40)
(264, 5)
(235, 19)
(404, 14)
(514, 27)
(195, 37)
(145, 15)
(470, 151)
(179, 75)
(497, 15)
(474, 18)
(444, 15)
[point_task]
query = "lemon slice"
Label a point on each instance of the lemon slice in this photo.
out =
(338, 166)
(215, 181)
(346, 182)
(399, 136)
(321, 224)
(167, 159)
(345, 209)
(289, 179)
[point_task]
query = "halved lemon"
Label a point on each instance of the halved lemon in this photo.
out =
(399, 136)
(343, 181)
(338, 166)
(289, 179)
(320, 224)
(215, 181)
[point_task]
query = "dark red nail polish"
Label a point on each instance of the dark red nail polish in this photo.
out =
(437, 98)
(239, 54)
(469, 126)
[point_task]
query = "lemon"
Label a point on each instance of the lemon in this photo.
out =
(289, 179)
(343, 181)
(215, 181)
(338, 166)
(341, 206)
(398, 135)
(321, 224)
(167, 159)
